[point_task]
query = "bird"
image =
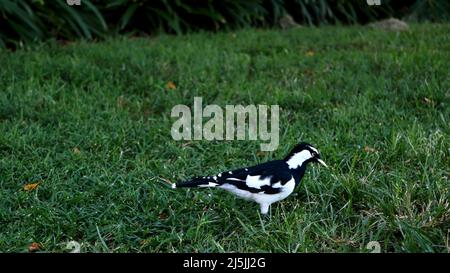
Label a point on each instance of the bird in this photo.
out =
(265, 183)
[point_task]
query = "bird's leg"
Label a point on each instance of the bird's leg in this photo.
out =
(265, 212)
(264, 208)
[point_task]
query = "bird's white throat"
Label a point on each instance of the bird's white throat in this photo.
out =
(298, 159)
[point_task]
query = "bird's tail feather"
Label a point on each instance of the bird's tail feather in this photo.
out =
(197, 182)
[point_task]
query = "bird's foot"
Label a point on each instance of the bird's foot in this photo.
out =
(265, 216)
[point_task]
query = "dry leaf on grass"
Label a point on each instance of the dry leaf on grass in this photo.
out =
(171, 85)
(34, 247)
(31, 186)
(428, 100)
(368, 149)
(163, 216)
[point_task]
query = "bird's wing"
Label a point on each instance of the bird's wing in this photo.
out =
(268, 178)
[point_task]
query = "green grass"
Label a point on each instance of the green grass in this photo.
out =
(375, 103)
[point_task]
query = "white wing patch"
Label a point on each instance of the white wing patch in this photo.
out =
(253, 181)
(277, 185)
(256, 181)
(210, 184)
(235, 179)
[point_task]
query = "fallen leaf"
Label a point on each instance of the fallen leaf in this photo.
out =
(34, 247)
(368, 149)
(310, 53)
(171, 85)
(76, 150)
(31, 186)
(163, 216)
(427, 100)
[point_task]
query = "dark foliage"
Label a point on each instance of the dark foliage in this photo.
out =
(28, 21)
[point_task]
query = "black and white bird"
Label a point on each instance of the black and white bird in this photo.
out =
(265, 183)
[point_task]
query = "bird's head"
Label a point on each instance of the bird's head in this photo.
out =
(302, 154)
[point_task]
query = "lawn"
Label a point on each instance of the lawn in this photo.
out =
(85, 143)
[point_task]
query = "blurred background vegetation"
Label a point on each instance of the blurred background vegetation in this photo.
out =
(25, 21)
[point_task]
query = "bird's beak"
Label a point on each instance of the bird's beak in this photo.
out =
(322, 163)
